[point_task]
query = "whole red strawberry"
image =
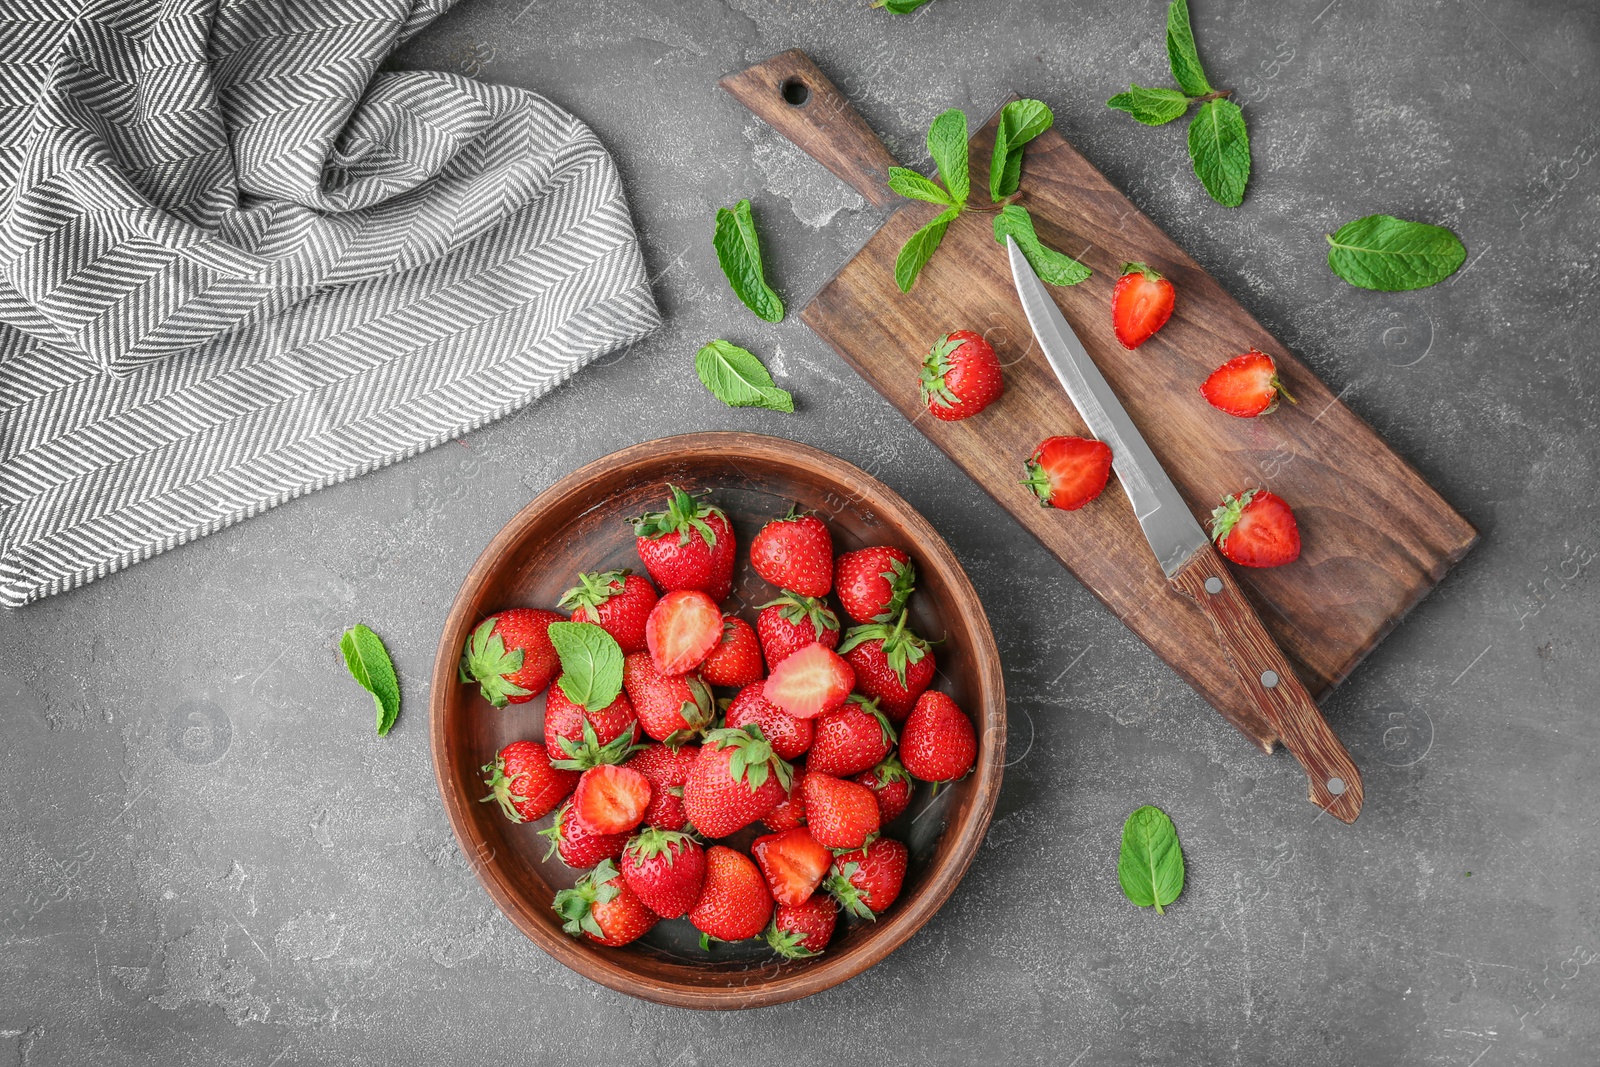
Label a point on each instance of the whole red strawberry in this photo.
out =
(736, 660)
(1140, 304)
(874, 583)
(580, 845)
(1246, 386)
(850, 739)
(937, 743)
(788, 736)
(791, 810)
(578, 738)
(802, 930)
(892, 664)
(603, 908)
(734, 904)
(891, 783)
(510, 656)
(667, 870)
(960, 376)
(793, 862)
(865, 882)
(1256, 529)
(736, 779)
(688, 546)
(1068, 472)
(795, 553)
(792, 622)
(619, 602)
(671, 707)
(839, 814)
(668, 769)
(524, 783)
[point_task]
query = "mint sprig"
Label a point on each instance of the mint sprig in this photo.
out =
(739, 253)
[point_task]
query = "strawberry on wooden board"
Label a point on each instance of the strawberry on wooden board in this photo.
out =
(874, 583)
(865, 882)
(611, 799)
(960, 376)
(795, 553)
(793, 862)
(1140, 304)
(668, 769)
(890, 782)
(788, 736)
(839, 814)
(666, 869)
(690, 545)
(1246, 386)
(683, 628)
(580, 739)
(578, 844)
(937, 743)
(791, 622)
(809, 682)
(850, 739)
(510, 655)
(603, 908)
(804, 929)
(671, 707)
(524, 784)
(892, 664)
(734, 904)
(736, 779)
(1068, 472)
(1256, 529)
(789, 812)
(618, 602)
(736, 660)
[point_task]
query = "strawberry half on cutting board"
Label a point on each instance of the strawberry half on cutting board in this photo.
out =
(1256, 529)
(1068, 472)
(1141, 304)
(1246, 386)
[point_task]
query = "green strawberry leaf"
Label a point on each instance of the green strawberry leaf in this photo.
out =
(1153, 107)
(1054, 267)
(369, 664)
(737, 378)
(1020, 122)
(1181, 52)
(1392, 255)
(909, 183)
(947, 144)
(916, 252)
(1150, 864)
(739, 252)
(591, 664)
(1219, 148)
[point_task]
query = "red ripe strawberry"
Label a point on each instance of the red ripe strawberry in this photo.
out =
(1256, 529)
(1140, 305)
(735, 903)
(736, 779)
(683, 628)
(619, 602)
(582, 739)
(850, 739)
(668, 769)
(736, 660)
(667, 870)
(865, 882)
(801, 930)
(688, 546)
(874, 583)
(510, 656)
(796, 553)
(603, 908)
(792, 622)
(671, 707)
(891, 783)
(793, 863)
(937, 743)
(892, 664)
(1246, 386)
(1068, 472)
(524, 783)
(809, 682)
(611, 799)
(839, 814)
(789, 736)
(960, 376)
(791, 810)
(578, 844)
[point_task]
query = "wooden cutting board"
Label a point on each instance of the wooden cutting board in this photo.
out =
(1376, 537)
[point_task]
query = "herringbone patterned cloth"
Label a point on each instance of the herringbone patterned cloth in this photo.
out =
(239, 263)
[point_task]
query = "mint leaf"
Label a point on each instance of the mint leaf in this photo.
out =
(1054, 267)
(1219, 148)
(1150, 865)
(947, 144)
(1153, 107)
(1020, 122)
(739, 252)
(899, 7)
(1181, 52)
(369, 664)
(909, 183)
(1392, 255)
(916, 252)
(591, 663)
(738, 379)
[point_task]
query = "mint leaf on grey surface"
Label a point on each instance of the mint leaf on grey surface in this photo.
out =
(1153, 107)
(739, 252)
(1219, 149)
(591, 663)
(1150, 863)
(899, 7)
(1181, 52)
(368, 663)
(1392, 255)
(737, 378)
(947, 144)
(1020, 122)
(1056, 268)
(910, 184)
(916, 252)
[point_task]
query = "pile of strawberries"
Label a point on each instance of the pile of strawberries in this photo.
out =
(854, 705)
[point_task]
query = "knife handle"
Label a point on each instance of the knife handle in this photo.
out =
(792, 96)
(1265, 674)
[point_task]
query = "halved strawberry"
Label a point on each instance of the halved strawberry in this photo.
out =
(683, 628)
(618, 602)
(802, 930)
(865, 882)
(603, 908)
(611, 799)
(1245, 386)
(809, 682)
(1140, 304)
(795, 552)
(793, 862)
(839, 814)
(736, 661)
(791, 622)
(1068, 472)
(1256, 529)
(960, 376)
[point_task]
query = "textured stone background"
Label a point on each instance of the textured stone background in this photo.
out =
(209, 859)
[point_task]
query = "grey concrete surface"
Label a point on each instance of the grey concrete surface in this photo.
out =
(210, 859)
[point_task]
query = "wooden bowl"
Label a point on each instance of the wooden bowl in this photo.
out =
(578, 525)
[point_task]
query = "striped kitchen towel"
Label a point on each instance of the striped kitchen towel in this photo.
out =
(238, 262)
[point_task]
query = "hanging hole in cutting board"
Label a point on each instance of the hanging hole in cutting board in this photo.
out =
(795, 92)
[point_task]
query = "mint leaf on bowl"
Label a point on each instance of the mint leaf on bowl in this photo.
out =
(591, 663)
(1219, 149)
(738, 379)
(1392, 255)
(368, 663)
(1150, 864)
(739, 252)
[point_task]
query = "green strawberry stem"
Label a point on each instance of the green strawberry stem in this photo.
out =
(486, 661)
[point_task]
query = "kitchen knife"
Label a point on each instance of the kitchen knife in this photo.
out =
(1191, 564)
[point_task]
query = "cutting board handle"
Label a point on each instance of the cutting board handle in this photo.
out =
(795, 98)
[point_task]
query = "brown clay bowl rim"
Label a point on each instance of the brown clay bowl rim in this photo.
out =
(610, 967)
